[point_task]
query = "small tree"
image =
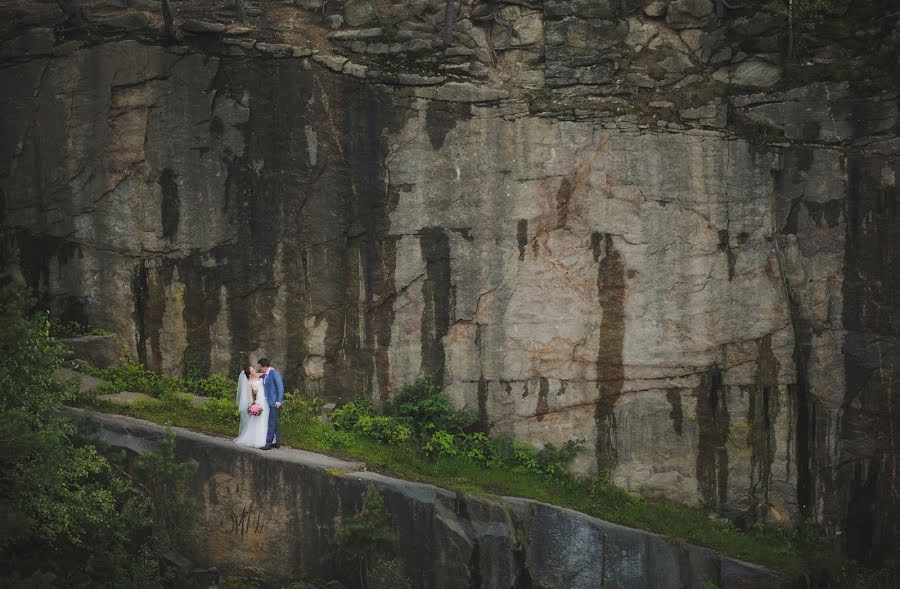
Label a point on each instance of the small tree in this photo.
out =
(367, 540)
(165, 479)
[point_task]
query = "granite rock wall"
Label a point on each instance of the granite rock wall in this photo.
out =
(620, 222)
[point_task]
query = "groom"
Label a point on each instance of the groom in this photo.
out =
(274, 388)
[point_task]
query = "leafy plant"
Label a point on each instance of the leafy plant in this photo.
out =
(802, 19)
(66, 329)
(221, 411)
(425, 409)
(388, 574)
(441, 443)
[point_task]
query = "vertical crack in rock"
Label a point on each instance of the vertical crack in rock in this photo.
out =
(610, 372)
(763, 410)
(441, 118)
(171, 202)
(436, 291)
(713, 424)
(867, 476)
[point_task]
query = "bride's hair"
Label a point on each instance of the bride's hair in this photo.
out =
(247, 372)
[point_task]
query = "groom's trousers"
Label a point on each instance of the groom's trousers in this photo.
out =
(272, 436)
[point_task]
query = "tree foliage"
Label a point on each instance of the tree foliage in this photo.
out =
(70, 517)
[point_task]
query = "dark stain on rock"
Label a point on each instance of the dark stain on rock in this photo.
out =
(171, 202)
(436, 292)
(713, 423)
(155, 310)
(441, 118)
(216, 127)
(762, 412)
(866, 478)
(725, 246)
(562, 388)
(674, 398)
(507, 386)
(522, 237)
(483, 386)
(140, 293)
(543, 408)
(596, 245)
(610, 372)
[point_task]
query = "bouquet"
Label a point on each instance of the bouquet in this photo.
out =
(254, 409)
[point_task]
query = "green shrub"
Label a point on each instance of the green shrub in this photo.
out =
(216, 386)
(384, 429)
(388, 574)
(63, 329)
(426, 409)
(135, 377)
(220, 411)
(441, 443)
(300, 410)
(346, 416)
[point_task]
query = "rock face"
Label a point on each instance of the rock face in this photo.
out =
(279, 510)
(699, 280)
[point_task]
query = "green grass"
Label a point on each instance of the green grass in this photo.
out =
(773, 547)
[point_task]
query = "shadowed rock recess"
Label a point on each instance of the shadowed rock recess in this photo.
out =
(622, 222)
(279, 510)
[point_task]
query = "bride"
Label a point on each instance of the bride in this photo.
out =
(253, 428)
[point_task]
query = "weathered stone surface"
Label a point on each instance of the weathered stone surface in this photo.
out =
(445, 539)
(278, 49)
(821, 112)
(656, 9)
(100, 351)
(193, 25)
(682, 14)
(125, 398)
(755, 72)
(132, 21)
(85, 383)
(358, 13)
(37, 41)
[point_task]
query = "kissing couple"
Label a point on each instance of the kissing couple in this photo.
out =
(260, 394)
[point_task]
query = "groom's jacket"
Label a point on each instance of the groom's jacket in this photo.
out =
(274, 387)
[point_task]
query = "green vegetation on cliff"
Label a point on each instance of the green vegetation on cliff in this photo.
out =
(71, 515)
(419, 436)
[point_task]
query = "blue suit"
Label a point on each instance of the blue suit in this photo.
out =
(274, 388)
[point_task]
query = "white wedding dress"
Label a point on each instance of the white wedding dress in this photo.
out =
(253, 428)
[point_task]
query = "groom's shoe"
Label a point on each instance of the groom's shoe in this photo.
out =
(276, 445)
(266, 447)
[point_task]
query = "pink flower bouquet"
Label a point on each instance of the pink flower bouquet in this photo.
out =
(254, 409)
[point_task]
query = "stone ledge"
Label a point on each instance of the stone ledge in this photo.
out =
(440, 532)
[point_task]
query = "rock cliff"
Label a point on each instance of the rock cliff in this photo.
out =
(623, 222)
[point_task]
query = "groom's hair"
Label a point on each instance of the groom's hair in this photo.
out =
(264, 362)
